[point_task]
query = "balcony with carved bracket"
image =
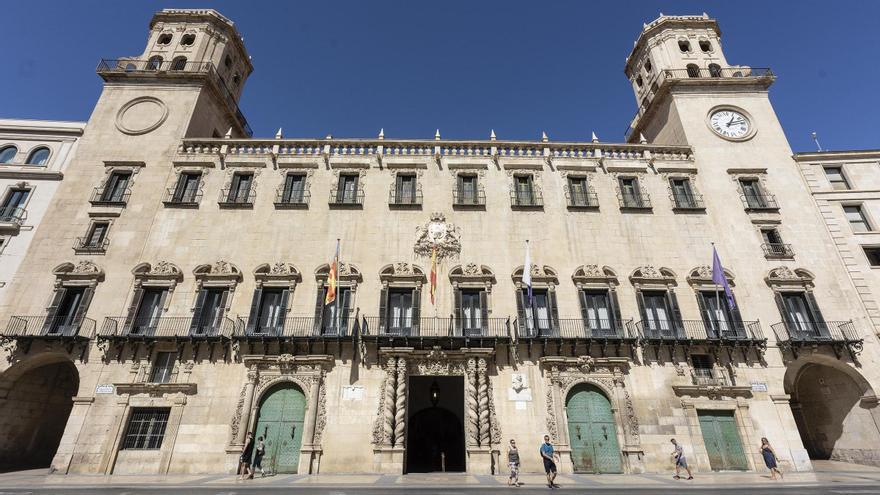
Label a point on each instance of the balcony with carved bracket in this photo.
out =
(287, 198)
(759, 202)
(164, 328)
(69, 330)
(346, 199)
(634, 202)
(582, 200)
(526, 200)
(468, 199)
(426, 332)
(110, 196)
(713, 383)
(231, 198)
(88, 245)
(840, 336)
(745, 335)
(404, 199)
(687, 202)
(12, 218)
(178, 198)
(777, 251)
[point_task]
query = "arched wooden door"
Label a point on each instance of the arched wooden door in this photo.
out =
(592, 432)
(280, 423)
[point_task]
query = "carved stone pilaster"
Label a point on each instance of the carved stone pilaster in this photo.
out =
(400, 405)
(471, 403)
(483, 403)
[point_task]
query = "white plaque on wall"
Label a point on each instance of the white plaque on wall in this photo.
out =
(353, 392)
(519, 388)
(104, 388)
(759, 386)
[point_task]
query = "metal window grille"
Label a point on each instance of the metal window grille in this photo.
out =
(146, 428)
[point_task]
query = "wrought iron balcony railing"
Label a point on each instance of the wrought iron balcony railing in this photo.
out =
(232, 198)
(110, 196)
(296, 327)
(50, 327)
(759, 202)
(185, 198)
(291, 198)
(430, 327)
(89, 245)
(353, 199)
(692, 201)
(712, 377)
(526, 199)
(163, 327)
(573, 328)
(136, 67)
(580, 199)
(404, 199)
(13, 215)
(468, 198)
(777, 250)
(816, 332)
(639, 201)
(728, 72)
(699, 331)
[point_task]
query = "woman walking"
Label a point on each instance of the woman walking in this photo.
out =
(770, 458)
(513, 464)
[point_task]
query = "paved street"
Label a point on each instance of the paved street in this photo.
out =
(829, 478)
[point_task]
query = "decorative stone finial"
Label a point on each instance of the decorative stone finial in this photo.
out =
(437, 135)
(382, 133)
(544, 137)
(278, 134)
(228, 134)
(642, 139)
(492, 135)
(595, 138)
(329, 136)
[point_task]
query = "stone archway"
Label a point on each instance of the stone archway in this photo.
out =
(592, 430)
(836, 411)
(36, 398)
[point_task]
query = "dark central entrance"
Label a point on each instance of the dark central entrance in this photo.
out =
(435, 428)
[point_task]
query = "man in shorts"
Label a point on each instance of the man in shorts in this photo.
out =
(549, 458)
(680, 461)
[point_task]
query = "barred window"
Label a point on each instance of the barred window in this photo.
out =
(146, 428)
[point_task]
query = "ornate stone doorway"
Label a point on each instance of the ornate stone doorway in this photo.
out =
(592, 431)
(280, 424)
(435, 434)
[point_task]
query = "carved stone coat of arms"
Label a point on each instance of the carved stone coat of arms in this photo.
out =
(438, 234)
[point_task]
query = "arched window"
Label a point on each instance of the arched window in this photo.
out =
(705, 46)
(179, 63)
(154, 63)
(7, 153)
(164, 39)
(684, 46)
(693, 70)
(38, 156)
(714, 70)
(188, 39)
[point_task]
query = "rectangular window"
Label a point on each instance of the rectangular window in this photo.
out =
(578, 191)
(753, 193)
(270, 318)
(347, 191)
(471, 311)
(405, 189)
(798, 315)
(116, 187)
(597, 312)
(150, 309)
(873, 255)
(682, 193)
(163, 367)
(524, 191)
(703, 368)
(16, 198)
(538, 313)
(240, 188)
(208, 317)
(65, 318)
(719, 318)
(400, 311)
(294, 189)
(467, 190)
(658, 314)
(187, 188)
(97, 234)
(857, 219)
(335, 316)
(773, 244)
(146, 428)
(836, 178)
(630, 192)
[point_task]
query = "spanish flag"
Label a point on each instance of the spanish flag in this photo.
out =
(331, 277)
(433, 273)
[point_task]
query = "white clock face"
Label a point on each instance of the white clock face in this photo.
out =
(730, 124)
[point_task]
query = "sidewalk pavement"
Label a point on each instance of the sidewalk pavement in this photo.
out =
(826, 472)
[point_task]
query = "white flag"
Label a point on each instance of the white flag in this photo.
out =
(527, 273)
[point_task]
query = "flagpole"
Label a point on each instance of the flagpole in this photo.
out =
(336, 289)
(717, 295)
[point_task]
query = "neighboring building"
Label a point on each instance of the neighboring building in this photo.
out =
(846, 188)
(33, 157)
(204, 318)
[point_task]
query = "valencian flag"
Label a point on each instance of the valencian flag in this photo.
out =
(331, 277)
(718, 278)
(433, 273)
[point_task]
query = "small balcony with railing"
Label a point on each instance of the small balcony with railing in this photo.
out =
(232, 198)
(777, 250)
(404, 199)
(296, 328)
(90, 245)
(715, 382)
(634, 201)
(110, 196)
(12, 218)
(719, 332)
(429, 331)
(759, 202)
(839, 335)
(287, 198)
(463, 199)
(165, 328)
(68, 329)
(526, 199)
(346, 199)
(175, 198)
(687, 202)
(575, 329)
(582, 200)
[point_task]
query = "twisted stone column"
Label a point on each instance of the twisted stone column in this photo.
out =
(388, 413)
(240, 426)
(400, 406)
(483, 400)
(471, 403)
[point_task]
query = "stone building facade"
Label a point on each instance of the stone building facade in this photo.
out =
(205, 318)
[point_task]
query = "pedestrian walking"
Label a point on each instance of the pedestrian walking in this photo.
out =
(680, 461)
(258, 457)
(770, 458)
(244, 462)
(513, 464)
(549, 458)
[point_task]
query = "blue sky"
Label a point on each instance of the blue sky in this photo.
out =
(465, 67)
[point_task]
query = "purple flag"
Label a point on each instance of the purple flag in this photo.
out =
(719, 279)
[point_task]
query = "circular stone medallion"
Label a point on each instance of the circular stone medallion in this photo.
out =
(141, 115)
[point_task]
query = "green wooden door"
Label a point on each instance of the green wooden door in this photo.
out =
(722, 441)
(280, 423)
(592, 433)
